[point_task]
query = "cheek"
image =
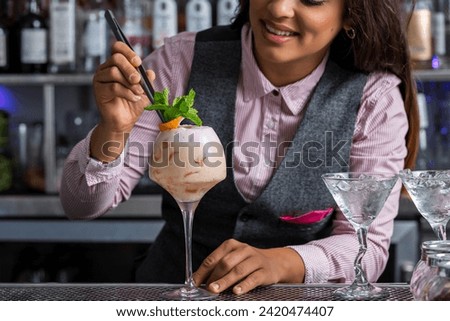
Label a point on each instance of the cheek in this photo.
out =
(325, 22)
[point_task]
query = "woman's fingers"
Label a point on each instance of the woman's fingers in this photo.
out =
(244, 267)
(112, 76)
(128, 71)
(123, 49)
(243, 277)
(232, 263)
(150, 75)
(210, 263)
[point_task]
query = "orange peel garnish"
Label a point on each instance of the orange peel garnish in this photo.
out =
(171, 124)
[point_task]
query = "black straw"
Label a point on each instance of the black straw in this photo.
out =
(120, 36)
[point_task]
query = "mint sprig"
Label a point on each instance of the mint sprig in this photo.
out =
(181, 106)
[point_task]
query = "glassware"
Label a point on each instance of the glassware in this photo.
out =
(430, 272)
(428, 248)
(360, 196)
(440, 285)
(430, 192)
(187, 162)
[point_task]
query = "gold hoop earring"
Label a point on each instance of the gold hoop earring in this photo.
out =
(351, 34)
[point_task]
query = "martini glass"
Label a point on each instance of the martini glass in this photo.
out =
(187, 162)
(360, 196)
(430, 192)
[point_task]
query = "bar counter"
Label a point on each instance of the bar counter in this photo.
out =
(152, 292)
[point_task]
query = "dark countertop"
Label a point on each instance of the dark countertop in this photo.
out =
(152, 292)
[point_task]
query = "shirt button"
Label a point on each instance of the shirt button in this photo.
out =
(270, 124)
(275, 92)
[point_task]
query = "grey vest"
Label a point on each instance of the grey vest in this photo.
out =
(321, 145)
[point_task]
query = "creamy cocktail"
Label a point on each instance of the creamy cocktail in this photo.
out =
(187, 162)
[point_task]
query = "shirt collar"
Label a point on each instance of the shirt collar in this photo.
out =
(256, 85)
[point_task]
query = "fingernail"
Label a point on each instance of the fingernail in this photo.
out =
(136, 61)
(215, 286)
(137, 98)
(134, 78)
(237, 290)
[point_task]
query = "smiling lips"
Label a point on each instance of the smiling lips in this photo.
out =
(280, 33)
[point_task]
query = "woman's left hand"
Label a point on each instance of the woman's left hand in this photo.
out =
(245, 267)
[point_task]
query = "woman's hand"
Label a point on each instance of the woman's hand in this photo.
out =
(118, 93)
(120, 101)
(245, 267)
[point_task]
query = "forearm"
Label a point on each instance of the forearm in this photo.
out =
(82, 197)
(106, 145)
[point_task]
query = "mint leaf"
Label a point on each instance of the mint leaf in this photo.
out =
(181, 106)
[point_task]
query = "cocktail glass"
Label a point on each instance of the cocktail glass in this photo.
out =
(360, 196)
(430, 192)
(187, 162)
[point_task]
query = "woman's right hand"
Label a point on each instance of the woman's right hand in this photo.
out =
(120, 101)
(118, 93)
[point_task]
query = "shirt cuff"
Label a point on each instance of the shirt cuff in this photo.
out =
(316, 263)
(94, 170)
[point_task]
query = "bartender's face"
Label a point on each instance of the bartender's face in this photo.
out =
(294, 31)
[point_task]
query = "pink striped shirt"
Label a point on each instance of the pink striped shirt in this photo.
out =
(89, 188)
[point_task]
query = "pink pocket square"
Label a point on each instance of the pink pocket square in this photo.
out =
(308, 218)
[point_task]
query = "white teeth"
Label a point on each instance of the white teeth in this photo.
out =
(279, 32)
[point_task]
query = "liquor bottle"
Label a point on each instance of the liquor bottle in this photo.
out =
(94, 42)
(439, 35)
(5, 28)
(226, 11)
(423, 161)
(62, 36)
(165, 21)
(33, 36)
(181, 13)
(6, 163)
(198, 15)
(419, 33)
(135, 28)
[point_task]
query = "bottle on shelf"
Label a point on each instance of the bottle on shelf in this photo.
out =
(32, 33)
(419, 33)
(135, 27)
(94, 39)
(5, 31)
(198, 15)
(440, 59)
(226, 11)
(34, 176)
(165, 21)
(181, 15)
(422, 161)
(6, 162)
(62, 36)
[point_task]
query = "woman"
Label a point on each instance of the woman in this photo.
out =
(297, 88)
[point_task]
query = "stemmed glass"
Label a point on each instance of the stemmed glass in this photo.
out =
(187, 162)
(360, 196)
(430, 192)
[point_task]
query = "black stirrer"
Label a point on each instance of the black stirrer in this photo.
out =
(120, 36)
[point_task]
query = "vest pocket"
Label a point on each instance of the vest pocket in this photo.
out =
(311, 222)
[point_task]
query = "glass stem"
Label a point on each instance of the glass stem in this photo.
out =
(440, 231)
(360, 275)
(188, 210)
